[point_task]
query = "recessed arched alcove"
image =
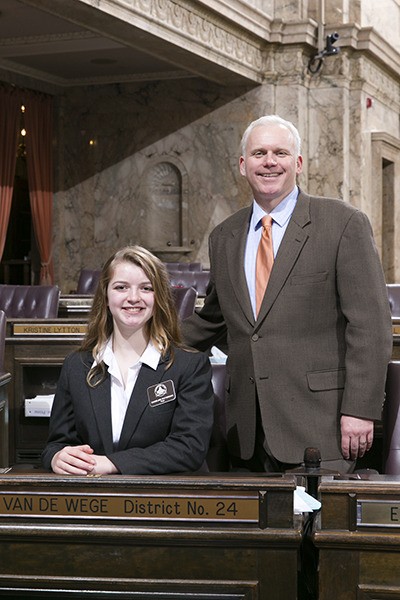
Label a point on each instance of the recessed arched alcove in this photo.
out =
(164, 190)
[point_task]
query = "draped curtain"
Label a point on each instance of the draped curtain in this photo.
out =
(39, 126)
(9, 133)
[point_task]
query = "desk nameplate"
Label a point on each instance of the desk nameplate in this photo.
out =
(29, 329)
(378, 513)
(231, 507)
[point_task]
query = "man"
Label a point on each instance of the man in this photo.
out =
(308, 368)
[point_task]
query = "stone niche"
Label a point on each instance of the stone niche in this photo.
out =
(164, 191)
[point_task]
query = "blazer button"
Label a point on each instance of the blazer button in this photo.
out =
(251, 379)
(254, 337)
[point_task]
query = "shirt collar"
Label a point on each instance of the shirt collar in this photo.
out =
(280, 213)
(150, 357)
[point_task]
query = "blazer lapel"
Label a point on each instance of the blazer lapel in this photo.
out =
(292, 243)
(101, 403)
(236, 246)
(139, 401)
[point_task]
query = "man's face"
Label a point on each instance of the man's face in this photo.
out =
(270, 164)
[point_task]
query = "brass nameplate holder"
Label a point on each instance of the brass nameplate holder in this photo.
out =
(29, 329)
(378, 513)
(243, 508)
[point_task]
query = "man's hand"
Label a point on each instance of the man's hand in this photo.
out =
(357, 436)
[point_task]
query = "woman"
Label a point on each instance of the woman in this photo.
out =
(132, 400)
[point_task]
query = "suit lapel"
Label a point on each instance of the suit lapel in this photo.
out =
(292, 243)
(236, 246)
(139, 401)
(101, 403)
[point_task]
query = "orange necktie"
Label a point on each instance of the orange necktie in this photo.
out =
(264, 261)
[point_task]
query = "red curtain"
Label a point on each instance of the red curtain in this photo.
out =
(39, 147)
(10, 111)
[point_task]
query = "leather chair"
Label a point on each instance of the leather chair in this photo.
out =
(218, 457)
(391, 421)
(30, 301)
(87, 282)
(202, 279)
(195, 266)
(393, 290)
(182, 279)
(177, 266)
(185, 301)
(184, 266)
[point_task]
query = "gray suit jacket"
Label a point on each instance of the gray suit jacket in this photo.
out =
(322, 341)
(156, 438)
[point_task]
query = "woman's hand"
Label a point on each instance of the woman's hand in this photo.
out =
(74, 460)
(103, 466)
(80, 460)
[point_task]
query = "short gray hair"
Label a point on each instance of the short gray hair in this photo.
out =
(271, 120)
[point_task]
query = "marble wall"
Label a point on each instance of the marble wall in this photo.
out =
(156, 163)
(115, 161)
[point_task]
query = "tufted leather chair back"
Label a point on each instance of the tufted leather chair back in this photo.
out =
(182, 278)
(88, 280)
(393, 290)
(30, 301)
(185, 301)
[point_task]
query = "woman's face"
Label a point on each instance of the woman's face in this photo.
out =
(130, 297)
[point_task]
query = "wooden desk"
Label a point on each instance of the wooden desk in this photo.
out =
(175, 537)
(34, 352)
(74, 306)
(358, 537)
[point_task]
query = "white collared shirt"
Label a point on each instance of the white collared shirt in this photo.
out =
(121, 395)
(280, 218)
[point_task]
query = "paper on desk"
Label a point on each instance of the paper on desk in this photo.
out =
(217, 356)
(303, 502)
(39, 406)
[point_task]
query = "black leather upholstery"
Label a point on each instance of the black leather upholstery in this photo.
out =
(182, 278)
(183, 266)
(87, 282)
(391, 421)
(185, 301)
(197, 279)
(393, 290)
(30, 301)
(218, 457)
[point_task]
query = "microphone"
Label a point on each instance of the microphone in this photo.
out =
(311, 470)
(312, 465)
(312, 458)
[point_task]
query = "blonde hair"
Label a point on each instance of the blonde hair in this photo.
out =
(162, 329)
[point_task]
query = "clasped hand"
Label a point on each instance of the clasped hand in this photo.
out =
(81, 460)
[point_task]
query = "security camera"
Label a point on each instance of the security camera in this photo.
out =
(316, 61)
(329, 48)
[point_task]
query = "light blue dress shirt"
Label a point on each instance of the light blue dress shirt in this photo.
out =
(280, 218)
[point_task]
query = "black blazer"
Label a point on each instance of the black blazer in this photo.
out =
(157, 437)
